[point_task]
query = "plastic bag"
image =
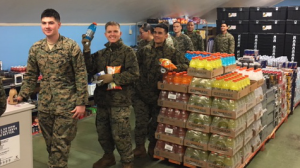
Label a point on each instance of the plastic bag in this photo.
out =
(113, 70)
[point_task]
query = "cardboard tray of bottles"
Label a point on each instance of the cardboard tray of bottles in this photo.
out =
(170, 121)
(194, 162)
(205, 73)
(169, 138)
(173, 156)
(171, 87)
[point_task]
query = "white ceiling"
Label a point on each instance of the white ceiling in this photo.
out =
(123, 11)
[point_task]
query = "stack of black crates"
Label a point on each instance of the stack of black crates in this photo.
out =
(274, 31)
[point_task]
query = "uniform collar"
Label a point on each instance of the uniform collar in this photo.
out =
(57, 46)
(114, 46)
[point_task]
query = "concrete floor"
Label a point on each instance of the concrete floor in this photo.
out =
(283, 151)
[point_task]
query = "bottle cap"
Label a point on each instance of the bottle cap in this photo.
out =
(94, 23)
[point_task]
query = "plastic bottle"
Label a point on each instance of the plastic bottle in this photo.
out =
(13, 94)
(170, 113)
(208, 65)
(220, 160)
(160, 128)
(163, 111)
(228, 162)
(170, 78)
(185, 80)
(230, 143)
(212, 157)
(184, 98)
(184, 115)
(204, 138)
(177, 79)
(232, 124)
(160, 145)
(177, 114)
(200, 64)
(181, 133)
(193, 63)
(163, 95)
(91, 31)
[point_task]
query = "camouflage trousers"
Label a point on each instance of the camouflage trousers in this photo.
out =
(145, 120)
(113, 129)
(58, 131)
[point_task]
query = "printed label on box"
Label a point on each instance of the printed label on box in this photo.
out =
(231, 27)
(267, 14)
(267, 27)
(232, 15)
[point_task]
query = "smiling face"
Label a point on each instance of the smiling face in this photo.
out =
(113, 33)
(160, 35)
(50, 26)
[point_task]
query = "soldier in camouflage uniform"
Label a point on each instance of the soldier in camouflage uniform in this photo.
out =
(2, 99)
(146, 86)
(146, 35)
(112, 119)
(224, 43)
(195, 37)
(184, 42)
(63, 93)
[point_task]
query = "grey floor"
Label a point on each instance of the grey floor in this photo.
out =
(281, 152)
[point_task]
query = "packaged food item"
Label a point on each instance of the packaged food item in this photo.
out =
(113, 70)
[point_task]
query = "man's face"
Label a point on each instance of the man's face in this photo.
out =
(159, 35)
(50, 26)
(177, 27)
(190, 26)
(224, 28)
(113, 33)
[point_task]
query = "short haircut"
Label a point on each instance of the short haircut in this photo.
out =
(111, 23)
(190, 21)
(51, 13)
(146, 27)
(225, 24)
(177, 22)
(163, 26)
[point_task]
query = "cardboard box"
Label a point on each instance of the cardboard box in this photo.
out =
(168, 155)
(256, 84)
(246, 154)
(259, 114)
(194, 162)
(259, 99)
(197, 109)
(256, 132)
(250, 104)
(169, 138)
(205, 73)
(236, 165)
(170, 121)
(248, 135)
(228, 114)
(171, 104)
(225, 151)
(228, 132)
(229, 68)
(201, 91)
(196, 145)
(197, 127)
(255, 147)
(231, 94)
(170, 87)
(249, 121)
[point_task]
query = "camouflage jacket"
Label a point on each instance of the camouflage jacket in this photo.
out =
(142, 43)
(197, 41)
(64, 82)
(116, 54)
(184, 43)
(224, 43)
(148, 57)
(2, 99)
(171, 41)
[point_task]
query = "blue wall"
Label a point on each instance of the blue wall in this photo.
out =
(15, 41)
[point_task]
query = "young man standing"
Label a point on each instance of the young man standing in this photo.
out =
(195, 37)
(112, 119)
(224, 42)
(184, 42)
(63, 93)
(146, 86)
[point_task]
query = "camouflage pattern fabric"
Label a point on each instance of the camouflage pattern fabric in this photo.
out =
(146, 86)
(113, 129)
(196, 40)
(141, 111)
(116, 54)
(2, 99)
(224, 43)
(64, 82)
(142, 43)
(58, 130)
(184, 43)
(64, 86)
(171, 41)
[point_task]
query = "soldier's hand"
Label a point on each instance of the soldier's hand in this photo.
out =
(106, 78)
(79, 111)
(86, 43)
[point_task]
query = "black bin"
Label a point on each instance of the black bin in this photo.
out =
(293, 26)
(293, 12)
(233, 13)
(241, 43)
(292, 46)
(267, 26)
(267, 43)
(234, 26)
(268, 13)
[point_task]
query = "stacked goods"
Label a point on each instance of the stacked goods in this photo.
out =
(297, 89)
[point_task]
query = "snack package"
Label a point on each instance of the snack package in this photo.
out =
(166, 63)
(96, 76)
(113, 70)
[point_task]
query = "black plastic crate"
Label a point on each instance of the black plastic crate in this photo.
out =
(292, 47)
(293, 12)
(268, 13)
(293, 26)
(239, 26)
(241, 43)
(233, 13)
(267, 26)
(267, 43)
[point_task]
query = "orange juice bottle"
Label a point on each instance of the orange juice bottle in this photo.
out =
(185, 80)
(177, 79)
(169, 78)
